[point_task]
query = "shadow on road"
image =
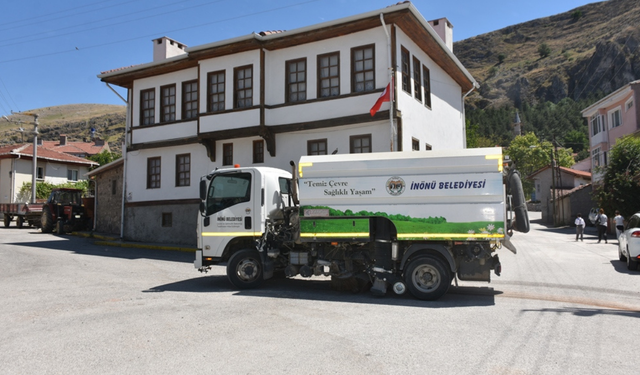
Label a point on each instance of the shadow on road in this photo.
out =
(320, 290)
(621, 267)
(84, 246)
(587, 313)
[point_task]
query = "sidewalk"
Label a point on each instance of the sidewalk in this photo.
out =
(110, 240)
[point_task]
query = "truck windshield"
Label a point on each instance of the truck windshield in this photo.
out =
(227, 190)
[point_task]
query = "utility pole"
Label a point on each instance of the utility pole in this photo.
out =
(35, 152)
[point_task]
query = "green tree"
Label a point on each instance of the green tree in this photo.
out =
(544, 50)
(529, 154)
(501, 57)
(43, 189)
(620, 187)
(105, 157)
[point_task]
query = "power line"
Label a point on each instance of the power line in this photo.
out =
(94, 22)
(162, 32)
(9, 94)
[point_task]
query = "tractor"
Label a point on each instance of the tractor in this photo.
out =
(64, 212)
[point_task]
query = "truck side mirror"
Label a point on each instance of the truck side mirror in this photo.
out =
(203, 190)
(202, 207)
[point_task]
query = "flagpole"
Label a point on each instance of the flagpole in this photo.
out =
(394, 133)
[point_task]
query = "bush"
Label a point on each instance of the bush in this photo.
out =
(43, 189)
(544, 50)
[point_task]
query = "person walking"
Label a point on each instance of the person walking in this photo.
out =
(579, 227)
(619, 221)
(601, 222)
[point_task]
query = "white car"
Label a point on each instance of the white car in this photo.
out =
(629, 243)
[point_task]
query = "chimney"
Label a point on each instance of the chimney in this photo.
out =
(63, 139)
(99, 141)
(164, 48)
(444, 29)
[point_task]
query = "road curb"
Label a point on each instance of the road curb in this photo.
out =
(114, 241)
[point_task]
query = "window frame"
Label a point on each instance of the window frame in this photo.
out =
(258, 151)
(168, 109)
(329, 78)
(312, 142)
(415, 144)
(239, 103)
(218, 104)
(613, 117)
(148, 107)
(355, 72)
(300, 86)
(70, 173)
(426, 86)
(227, 154)
(183, 177)
(417, 79)
(360, 137)
(405, 70)
(154, 172)
(189, 100)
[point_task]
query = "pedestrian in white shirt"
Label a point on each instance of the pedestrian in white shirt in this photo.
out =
(619, 221)
(602, 222)
(579, 227)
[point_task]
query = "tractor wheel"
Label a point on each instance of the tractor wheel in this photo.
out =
(19, 221)
(47, 220)
(7, 220)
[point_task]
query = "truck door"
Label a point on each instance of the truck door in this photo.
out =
(231, 208)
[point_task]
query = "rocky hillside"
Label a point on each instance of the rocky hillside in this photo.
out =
(593, 49)
(74, 120)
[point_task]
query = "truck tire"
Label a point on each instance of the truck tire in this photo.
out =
(519, 203)
(244, 269)
(427, 278)
(19, 221)
(46, 220)
(7, 221)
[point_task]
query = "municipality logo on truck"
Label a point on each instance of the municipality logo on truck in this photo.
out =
(395, 186)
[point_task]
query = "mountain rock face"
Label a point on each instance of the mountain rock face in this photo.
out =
(593, 49)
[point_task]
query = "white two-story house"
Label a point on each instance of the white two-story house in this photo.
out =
(267, 98)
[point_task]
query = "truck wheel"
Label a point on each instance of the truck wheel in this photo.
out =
(7, 220)
(244, 269)
(46, 220)
(427, 278)
(19, 221)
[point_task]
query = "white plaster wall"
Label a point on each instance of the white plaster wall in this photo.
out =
(5, 181)
(142, 134)
(230, 120)
(156, 82)
(442, 125)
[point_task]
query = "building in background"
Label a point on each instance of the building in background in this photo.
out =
(267, 98)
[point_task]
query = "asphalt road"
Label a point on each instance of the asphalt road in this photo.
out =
(72, 307)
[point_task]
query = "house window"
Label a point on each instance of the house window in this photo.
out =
(215, 91)
(183, 170)
(360, 144)
(415, 144)
(113, 187)
(296, 81)
(404, 64)
(417, 81)
(596, 124)
(243, 89)
(616, 118)
(363, 69)
(258, 151)
(428, 147)
(147, 107)
(317, 147)
(329, 75)
(72, 175)
(629, 104)
(227, 154)
(167, 219)
(189, 100)
(40, 175)
(168, 103)
(426, 84)
(595, 157)
(153, 173)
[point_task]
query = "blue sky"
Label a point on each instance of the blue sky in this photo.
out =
(52, 51)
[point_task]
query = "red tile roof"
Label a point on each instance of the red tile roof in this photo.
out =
(76, 148)
(26, 150)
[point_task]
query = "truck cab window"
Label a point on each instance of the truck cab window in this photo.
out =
(227, 190)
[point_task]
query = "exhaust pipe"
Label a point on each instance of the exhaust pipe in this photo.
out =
(294, 183)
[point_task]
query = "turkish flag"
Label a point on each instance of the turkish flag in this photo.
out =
(384, 97)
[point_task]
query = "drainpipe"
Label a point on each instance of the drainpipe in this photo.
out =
(464, 116)
(394, 131)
